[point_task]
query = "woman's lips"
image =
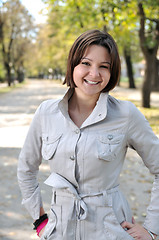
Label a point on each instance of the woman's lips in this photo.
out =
(91, 82)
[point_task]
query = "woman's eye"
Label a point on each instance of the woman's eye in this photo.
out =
(103, 66)
(86, 63)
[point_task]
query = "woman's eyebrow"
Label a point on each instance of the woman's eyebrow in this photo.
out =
(86, 58)
(92, 60)
(106, 63)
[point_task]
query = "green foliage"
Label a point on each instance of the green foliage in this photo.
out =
(13, 87)
(151, 9)
(16, 31)
(69, 18)
(2, 70)
(2, 73)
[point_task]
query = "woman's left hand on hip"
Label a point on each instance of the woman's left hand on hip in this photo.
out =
(137, 231)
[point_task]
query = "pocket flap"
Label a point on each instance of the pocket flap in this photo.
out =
(48, 139)
(49, 145)
(109, 145)
(110, 138)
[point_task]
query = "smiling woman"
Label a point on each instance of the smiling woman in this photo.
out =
(84, 137)
(92, 75)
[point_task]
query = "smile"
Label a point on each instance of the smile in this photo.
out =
(91, 82)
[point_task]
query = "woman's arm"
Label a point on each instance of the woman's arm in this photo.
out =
(141, 138)
(28, 166)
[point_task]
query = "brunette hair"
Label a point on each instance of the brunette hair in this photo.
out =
(93, 37)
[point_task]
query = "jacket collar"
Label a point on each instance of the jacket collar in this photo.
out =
(98, 114)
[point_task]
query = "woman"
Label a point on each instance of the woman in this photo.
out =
(85, 137)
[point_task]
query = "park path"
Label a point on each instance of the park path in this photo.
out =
(16, 111)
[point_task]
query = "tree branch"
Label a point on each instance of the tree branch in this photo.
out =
(142, 28)
(153, 20)
(11, 38)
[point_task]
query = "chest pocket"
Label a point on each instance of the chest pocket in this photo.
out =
(49, 145)
(109, 146)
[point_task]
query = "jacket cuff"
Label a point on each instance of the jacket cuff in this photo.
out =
(152, 219)
(33, 204)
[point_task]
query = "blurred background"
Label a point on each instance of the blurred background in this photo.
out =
(35, 38)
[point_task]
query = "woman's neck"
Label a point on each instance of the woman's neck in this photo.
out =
(83, 102)
(81, 106)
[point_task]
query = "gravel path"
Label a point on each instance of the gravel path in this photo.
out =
(16, 111)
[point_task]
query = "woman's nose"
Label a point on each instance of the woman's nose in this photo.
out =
(94, 72)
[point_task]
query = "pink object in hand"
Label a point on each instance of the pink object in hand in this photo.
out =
(41, 226)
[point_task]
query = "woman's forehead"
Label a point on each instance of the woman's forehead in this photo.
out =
(97, 52)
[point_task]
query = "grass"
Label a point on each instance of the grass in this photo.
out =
(12, 87)
(125, 83)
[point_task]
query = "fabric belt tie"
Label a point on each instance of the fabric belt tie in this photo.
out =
(81, 209)
(58, 182)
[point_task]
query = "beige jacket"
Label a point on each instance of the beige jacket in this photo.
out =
(85, 166)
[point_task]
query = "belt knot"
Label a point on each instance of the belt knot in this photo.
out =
(81, 208)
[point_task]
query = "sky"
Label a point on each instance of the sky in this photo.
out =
(34, 7)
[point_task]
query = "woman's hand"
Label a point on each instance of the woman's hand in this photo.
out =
(137, 231)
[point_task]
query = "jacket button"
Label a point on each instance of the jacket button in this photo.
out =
(72, 158)
(77, 131)
(110, 137)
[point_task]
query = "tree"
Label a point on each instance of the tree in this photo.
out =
(2, 70)
(115, 20)
(120, 18)
(127, 56)
(107, 15)
(149, 42)
(20, 47)
(15, 24)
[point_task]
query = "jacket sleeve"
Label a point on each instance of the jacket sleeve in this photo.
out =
(141, 138)
(28, 166)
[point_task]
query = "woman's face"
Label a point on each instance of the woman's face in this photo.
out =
(92, 74)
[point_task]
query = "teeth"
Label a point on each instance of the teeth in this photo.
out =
(90, 82)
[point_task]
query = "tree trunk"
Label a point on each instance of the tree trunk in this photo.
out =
(20, 76)
(155, 85)
(147, 84)
(150, 55)
(129, 66)
(9, 77)
(6, 58)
